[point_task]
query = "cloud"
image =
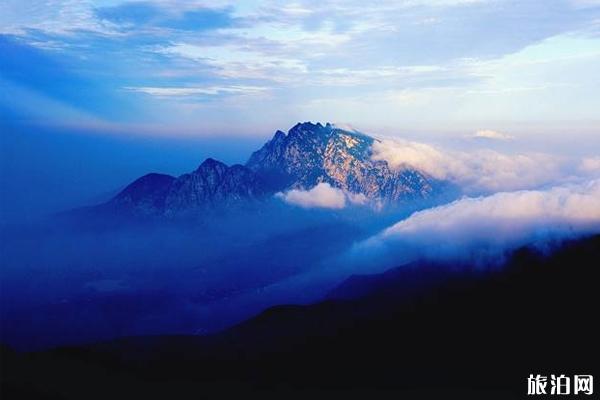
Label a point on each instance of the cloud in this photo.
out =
(590, 165)
(484, 228)
(71, 17)
(240, 58)
(490, 134)
(403, 153)
(478, 171)
(183, 17)
(357, 198)
(321, 196)
(330, 60)
(61, 17)
(194, 91)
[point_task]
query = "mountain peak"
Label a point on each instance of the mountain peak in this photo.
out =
(212, 186)
(146, 194)
(308, 129)
(308, 125)
(212, 163)
(312, 153)
(303, 128)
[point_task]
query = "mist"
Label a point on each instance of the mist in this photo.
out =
(484, 230)
(80, 279)
(509, 201)
(45, 169)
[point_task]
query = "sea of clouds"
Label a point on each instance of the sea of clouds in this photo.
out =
(509, 200)
(485, 229)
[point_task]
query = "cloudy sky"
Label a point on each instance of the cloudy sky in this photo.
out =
(247, 67)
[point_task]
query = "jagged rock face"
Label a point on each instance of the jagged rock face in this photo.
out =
(314, 153)
(213, 184)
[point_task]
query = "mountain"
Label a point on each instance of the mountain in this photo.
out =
(213, 184)
(314, 153)
(304, 157)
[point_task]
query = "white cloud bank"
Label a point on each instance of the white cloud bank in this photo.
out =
(322, 196)
(476, 172)
(484, 228)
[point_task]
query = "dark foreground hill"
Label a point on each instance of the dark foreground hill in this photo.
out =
(459, 335)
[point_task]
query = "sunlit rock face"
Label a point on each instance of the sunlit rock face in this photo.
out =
(314, 153)
(301, 159)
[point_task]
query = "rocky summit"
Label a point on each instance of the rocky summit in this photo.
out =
(307, 155)
(314, 153)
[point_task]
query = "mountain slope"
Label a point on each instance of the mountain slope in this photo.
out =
(212, 185)
(145, 196)
(476, 335)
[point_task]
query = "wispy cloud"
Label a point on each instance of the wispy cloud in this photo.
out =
(197, 91)
(237, 61)
(59, 17)
(491, 134)
(185, 16)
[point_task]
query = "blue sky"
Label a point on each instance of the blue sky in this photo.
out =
(249, 67)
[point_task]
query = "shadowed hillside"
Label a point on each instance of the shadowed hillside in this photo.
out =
(470, 334)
